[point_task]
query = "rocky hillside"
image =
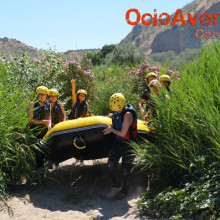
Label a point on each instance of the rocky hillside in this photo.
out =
(78, 54)
(12, 48)
(178, 37)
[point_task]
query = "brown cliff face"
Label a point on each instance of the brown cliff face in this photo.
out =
(178, 37)
(12, 48)
(78, 54)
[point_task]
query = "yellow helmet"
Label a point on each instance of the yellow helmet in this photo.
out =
(165, 78)
(151, 74)
(82, 91)
(53, 92)
(155, 83)
(42, 89)
(117, 102)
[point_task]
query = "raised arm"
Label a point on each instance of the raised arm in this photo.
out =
(140, 105)
(74, 99)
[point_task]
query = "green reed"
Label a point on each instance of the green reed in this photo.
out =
(17, 143)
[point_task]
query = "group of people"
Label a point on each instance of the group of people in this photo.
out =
(154, 86)
(47, 113)
(47, 110)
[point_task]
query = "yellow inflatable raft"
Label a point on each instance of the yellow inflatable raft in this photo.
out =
(83, 138)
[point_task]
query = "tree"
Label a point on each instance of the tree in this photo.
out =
(124, 54)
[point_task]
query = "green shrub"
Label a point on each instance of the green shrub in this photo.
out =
(175, 60)
(98, 58)
(124, 54)
(17, 143)
(199, 199)
(112, 80)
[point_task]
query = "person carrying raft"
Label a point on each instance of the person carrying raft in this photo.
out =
(145, 98)
(165, 80)
(124, 120)
(40, 112)
(40, 118)
(80, 107)
(58, 113)
(155, 87)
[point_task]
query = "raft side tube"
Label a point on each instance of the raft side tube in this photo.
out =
(83, 138)
(79, 122)
(81, 143)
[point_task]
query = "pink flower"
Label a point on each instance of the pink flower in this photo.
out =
(66, 66)
(88, 100)
(158, 73)
(34, 59)
(73, 62)
(153, 68)
(171, 72)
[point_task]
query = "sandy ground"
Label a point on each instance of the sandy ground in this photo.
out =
(74, 192)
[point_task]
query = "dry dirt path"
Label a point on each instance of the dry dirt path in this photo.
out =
(74, 192)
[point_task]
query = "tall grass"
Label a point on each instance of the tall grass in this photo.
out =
(188, 124)
(16, 141)
(187, 138)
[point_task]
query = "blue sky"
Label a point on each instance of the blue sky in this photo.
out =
(70, 24)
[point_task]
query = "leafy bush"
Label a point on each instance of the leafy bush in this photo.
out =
(112, 80)
(175, 60)
(98, 58)
(196, 200)
(124, 54)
